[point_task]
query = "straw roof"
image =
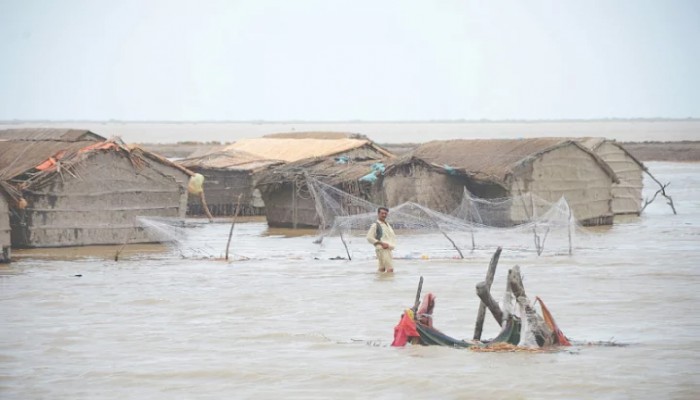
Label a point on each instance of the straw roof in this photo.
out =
(53, 134)
(315, 135)
(232, 160)
(27, 162)
(328, 170)
(489, 159)
(19, 156)
(593, 143)
(291, 150)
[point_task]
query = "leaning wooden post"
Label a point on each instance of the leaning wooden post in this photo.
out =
(205, 206)
(416, 303)
(230, 233)
(491, 272)
(483, 292)
(346, 245)
(542, 333)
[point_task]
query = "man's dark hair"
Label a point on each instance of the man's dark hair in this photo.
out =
(382, 208)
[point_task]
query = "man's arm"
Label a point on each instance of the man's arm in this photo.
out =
(371, 234)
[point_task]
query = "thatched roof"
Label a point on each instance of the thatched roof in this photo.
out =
(24, 163)
(232, 160)
(327, 170)
(291, 150)
(490, 160)
(593, 143)
(19, 156)
(50, 134)
(316, 135)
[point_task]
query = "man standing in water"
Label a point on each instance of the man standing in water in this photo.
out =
(382, 236)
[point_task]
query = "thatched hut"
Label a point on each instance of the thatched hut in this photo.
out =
(436, 173)
(228, 176)
(627, 194)
(341, 163)
(70, 189)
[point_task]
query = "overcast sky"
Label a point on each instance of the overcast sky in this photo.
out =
(348, 60)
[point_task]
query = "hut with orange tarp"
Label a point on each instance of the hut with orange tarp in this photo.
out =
(74, 187)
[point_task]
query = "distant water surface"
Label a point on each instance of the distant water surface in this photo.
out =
(389, 132)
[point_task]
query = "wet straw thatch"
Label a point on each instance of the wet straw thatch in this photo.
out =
(435, 174)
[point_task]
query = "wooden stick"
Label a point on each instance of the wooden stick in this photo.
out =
(417, 302)
(662, 190)
(481, 314)
(205, 206)
(453, 243)
(543, 334)
(483, 292)
(230, 233)
(345, 244)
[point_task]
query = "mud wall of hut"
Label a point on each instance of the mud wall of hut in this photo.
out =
(97, 203)
(627, 195)
(222, 188)
(423, 185)
(289, 205)
(180, 177)
(4, 230)
(572, 173)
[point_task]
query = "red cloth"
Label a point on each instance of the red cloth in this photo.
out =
(405, 330)
(425, 311)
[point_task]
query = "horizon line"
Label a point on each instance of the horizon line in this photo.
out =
(349, 121)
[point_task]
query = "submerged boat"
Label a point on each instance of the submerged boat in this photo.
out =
(416, 327)
(420, 330)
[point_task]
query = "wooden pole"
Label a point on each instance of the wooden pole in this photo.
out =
(543, 334)
(345, 244)
(205, 206)
(416, 303)
(230, 232)
(483, 292)
(490, 273)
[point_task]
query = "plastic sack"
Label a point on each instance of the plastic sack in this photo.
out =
(195, 184)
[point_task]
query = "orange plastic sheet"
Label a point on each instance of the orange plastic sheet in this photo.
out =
(549, 320)
(51, 162)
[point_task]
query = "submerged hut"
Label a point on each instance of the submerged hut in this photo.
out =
(627, 193)
(72, 188)
(349, 164)
(436, 173)
(231, 171)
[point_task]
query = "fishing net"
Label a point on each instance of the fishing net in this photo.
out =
(525, 222)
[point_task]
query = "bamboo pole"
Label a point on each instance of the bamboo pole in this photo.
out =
(481, 314)
(230, 232)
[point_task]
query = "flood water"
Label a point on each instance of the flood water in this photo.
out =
(280, 319)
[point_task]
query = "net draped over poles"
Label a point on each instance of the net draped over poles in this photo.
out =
(525, 222)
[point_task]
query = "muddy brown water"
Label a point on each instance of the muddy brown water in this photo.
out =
(283, 320)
